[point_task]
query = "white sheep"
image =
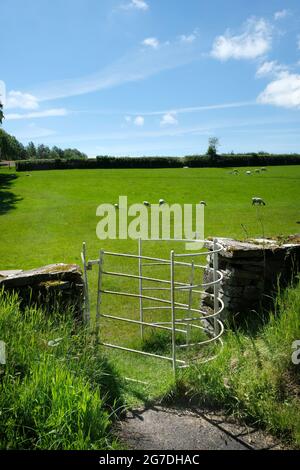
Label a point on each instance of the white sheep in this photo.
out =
(146, 203)
(248, 172)
(263, 169)
(257, 170)
(203, 203)
(161, 202)
(258, 201)
(116, 206)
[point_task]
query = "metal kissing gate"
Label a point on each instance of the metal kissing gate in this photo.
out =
(178, 317)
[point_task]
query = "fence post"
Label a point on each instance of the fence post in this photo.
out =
(172, 273)
(141, 289)
(99, 295)
(86, 313)
(216, 285)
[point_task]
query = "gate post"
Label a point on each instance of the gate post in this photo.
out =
(172, 275)
(99, 295)
(141, 289)
(216, 286)
(86, 315)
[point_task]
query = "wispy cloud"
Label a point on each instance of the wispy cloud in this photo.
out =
(189, 37)
(139, 121)
(137, 65)
(254, 41)
(270, 68)
(135, 5)
(196, 109)
(151, 42)
(169, 119)
(32, 131)
(37, 114)
(279, 15)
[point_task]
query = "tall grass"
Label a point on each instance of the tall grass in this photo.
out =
(254, 377)
(57, 390)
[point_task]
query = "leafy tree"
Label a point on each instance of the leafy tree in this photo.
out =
(31, 150)
(43, 152)
(75, 154)
(213, 144)
(1, 113)
(11, 148)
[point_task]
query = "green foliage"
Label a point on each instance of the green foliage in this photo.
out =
(57, 389)
(1, 113)
(12, 149)
(213, 144)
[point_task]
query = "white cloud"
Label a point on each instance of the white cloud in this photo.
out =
(270, 68)
(127, 118)
(188, 38)
(254, 41)
(37, 114)
(284, 91)
(151, 42)
(169, 119)
(139, 121)
(17, 99)
(279, 15)
(137, 5)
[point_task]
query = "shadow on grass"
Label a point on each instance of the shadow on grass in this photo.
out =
(8, 199)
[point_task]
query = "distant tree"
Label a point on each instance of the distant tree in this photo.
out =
(31, 150)
(43, 152)
(57, 152)
(213, 144)
(75, 154)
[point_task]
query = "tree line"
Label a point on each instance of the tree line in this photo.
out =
(12, 149)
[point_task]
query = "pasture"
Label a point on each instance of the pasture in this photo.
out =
(46, 215)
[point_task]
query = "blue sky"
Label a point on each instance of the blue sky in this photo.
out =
(152, 77)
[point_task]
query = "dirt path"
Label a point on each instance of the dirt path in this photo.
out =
(161, 428)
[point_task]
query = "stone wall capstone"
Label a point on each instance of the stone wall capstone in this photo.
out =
(252, 272)
(53, 287)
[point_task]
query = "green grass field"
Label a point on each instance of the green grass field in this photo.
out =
(46, 216)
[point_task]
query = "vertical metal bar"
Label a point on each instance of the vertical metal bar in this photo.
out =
(216, 285)
(99, 295)
(86, 312)
(172, 288)
(188, 329)
(141, 289)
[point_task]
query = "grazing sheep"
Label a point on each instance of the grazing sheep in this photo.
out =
(263, 169)
(186, 167)
(248, 172)
(257, 170)
(146, 203)
(203, 203)
(161, 202)
(116, 206)
(258, 201)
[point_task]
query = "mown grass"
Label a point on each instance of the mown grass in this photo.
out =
(57, 390)
(254, 378)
